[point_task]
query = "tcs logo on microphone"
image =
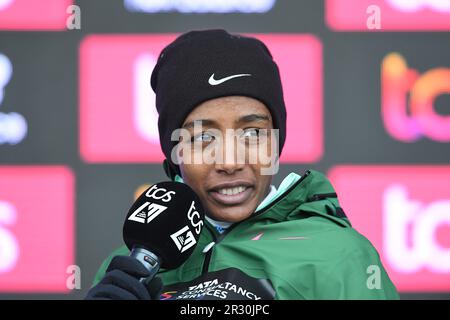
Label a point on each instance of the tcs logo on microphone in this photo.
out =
(148, 211)
(184, 238)
(398, 82)
(405, 213)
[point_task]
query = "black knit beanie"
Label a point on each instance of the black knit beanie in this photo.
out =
(186, 73)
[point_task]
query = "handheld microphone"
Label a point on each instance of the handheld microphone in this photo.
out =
(163, 225)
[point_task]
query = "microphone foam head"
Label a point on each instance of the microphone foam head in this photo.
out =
(166, 219)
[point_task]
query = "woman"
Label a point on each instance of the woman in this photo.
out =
(223, 93)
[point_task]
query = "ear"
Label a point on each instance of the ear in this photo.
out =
(170, 170)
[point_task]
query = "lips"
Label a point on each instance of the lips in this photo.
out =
(232, 193)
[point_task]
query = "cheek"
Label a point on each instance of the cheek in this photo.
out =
(188, 172)
(194, 175)
(263, 182)
(260, 154)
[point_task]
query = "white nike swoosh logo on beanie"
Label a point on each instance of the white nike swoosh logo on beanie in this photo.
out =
(215, 82)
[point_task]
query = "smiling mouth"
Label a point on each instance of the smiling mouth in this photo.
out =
(231, 196)
(232, 191)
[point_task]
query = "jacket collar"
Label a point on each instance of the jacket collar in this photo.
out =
(313, 192)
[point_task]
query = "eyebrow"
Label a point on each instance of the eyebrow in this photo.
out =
(243, 119)
(254, 117)
(202, 122)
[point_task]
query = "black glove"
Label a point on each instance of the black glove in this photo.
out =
(121, 282)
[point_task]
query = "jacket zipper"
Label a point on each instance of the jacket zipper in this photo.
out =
(217, 240)
(321, 196)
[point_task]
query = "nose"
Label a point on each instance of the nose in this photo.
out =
(229, 167)
(233, 157)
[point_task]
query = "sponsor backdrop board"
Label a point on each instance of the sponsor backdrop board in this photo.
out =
(367, 90)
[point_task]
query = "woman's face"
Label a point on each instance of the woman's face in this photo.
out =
(230, 183)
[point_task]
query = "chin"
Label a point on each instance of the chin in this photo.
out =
(232, 217)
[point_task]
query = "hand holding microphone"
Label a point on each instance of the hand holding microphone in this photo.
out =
(121, 282)
(161, 229)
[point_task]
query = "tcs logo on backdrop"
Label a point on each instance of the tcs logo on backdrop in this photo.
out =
(118, 117)
(407, 100)
(405, 212)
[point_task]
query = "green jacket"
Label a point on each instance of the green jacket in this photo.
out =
(298, 246)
